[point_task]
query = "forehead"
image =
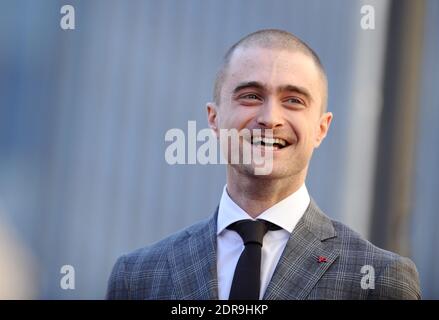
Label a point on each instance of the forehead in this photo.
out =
(273, 67)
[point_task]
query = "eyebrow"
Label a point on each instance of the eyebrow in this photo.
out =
(292, 88)
(258, 85)
(250, 84)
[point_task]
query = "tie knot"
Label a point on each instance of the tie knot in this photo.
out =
(252, 231)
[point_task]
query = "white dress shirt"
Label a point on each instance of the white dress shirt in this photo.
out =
(285, 214)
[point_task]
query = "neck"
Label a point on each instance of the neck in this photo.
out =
(255, 194)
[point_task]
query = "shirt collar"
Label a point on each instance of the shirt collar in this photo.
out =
(285, 213)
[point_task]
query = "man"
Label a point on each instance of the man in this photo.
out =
(267, 238)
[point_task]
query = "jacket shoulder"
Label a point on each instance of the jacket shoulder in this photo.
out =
(159, 249)
(145, 264)
(394, 276)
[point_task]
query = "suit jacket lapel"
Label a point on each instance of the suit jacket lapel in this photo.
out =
(299, 267)
(193, 263)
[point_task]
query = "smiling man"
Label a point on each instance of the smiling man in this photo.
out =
(267, 239)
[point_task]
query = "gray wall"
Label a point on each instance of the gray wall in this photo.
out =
(425, 219)
(83, 116)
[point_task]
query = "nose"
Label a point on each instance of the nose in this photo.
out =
(270, 115)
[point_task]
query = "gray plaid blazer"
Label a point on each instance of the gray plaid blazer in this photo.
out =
(323, 259)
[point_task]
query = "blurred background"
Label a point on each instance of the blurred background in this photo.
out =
(84, 112)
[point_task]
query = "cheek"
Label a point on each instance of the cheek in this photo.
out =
(235, 117)
(298, 124)
(307, 129)
(305, 133)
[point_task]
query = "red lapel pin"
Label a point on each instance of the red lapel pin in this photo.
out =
(322, 259)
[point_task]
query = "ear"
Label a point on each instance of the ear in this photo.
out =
(324, 123)
(212, 118)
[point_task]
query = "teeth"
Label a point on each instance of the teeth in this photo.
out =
(282, 142)
(269, 141)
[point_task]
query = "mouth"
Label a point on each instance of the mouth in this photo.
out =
(269, 143)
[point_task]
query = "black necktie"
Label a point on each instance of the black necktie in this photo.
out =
(247, 278)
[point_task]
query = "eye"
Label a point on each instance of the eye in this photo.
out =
(250, 99)
(250, 96)
(295, 101)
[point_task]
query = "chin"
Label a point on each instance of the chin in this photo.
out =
(267, 172)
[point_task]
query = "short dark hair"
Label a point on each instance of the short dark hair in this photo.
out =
(268, 38)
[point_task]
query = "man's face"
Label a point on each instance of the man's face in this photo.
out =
(274, 89)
